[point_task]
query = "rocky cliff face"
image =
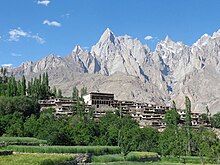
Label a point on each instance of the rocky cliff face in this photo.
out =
(124, 66)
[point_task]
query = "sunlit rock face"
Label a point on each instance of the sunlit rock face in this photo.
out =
(129, 69)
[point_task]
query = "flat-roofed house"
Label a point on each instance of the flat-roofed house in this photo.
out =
(60, 105)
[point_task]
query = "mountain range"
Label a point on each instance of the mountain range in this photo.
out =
(124, 66)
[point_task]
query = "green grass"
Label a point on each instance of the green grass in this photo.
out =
(187, 159)
(134, 163)
(141, 158)
(21, 141)
(142, 163)
(96, 150)
(35, 159)
(132, 156)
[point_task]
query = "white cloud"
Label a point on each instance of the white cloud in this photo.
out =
(38, 39)
(16, 34)
(6, 65)
(43, 2)
(67, 15)
(148, 38)
(16, 55)
(52, 23)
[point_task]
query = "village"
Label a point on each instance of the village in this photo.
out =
(144, 113)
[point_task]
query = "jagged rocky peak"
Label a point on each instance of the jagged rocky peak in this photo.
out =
(208, 40)
(108, 35)
(216, 34)
(168, 39)
(168, 42)
(77, 49)
(48, 62)
(79, 53)
(50, 58)
(203, 40)
(168, 47)
(27, 64)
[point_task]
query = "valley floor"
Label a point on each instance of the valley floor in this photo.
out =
(54, 159)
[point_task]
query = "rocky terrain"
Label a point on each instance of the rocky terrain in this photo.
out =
(124, 66)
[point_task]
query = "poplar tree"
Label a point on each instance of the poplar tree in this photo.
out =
(83, 91)
(59, 93)
(23, 85)
(54, 91)
(75, 93)
(188, 124)
(19, 87)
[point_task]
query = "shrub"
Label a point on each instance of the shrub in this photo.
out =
(142, 156)
(132, 156)
(3, 153)
(108, 158)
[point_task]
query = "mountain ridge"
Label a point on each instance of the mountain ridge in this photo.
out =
(170, 72)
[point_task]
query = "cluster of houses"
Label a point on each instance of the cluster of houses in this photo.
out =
(101, 103)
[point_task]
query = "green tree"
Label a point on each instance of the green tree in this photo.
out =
(188, 124)
(54, 91)
(172, 117)
(31, 126)
(15, 128)
(59, 95)
(146, 139)
(203, 140)
(19, 87)
(204, 118)
(75, 93)
(127, 140)
(215, 120)
(83, 91)
(23, 86)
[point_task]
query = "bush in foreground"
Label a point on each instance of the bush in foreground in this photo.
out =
(142, 156)
(96, 150)
(4, 152)
(132, 156)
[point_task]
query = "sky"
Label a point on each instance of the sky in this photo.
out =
(32, 29)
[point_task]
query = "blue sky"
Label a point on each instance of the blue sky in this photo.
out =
(32, 29)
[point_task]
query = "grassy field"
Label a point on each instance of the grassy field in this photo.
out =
(21, 141)
(35, 159)
(135, 163)
(50, 155)
(96, 150)
(141, 158)
(143, 163)
(115, 159)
